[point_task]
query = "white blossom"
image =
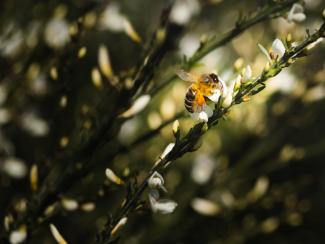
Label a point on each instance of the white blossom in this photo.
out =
(69, 204)
(5, 116)
(296, 13)
(183, 10)
(112, 19)
(156, 181)
(18, 236)
(205, 206)
(14, 167)
(35, 125)
(247, 73)
(202, 169)
(138, 105)
(57, 33)
(163, 206)
(228, 94)
(215, 96)
(278, 48)
(203, 115)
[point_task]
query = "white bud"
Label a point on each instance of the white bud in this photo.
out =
(33, 177)
(69, 204)
(104, 62)
(56, 234)
(167, 150)
(175, 127)
(119, 225)
(278, 48)
(111, 176)
(88, 207)
(130, 31)
(96, 78)
(14, 167)
(227, 101)
(137, 106)
(35, 125)
(205, 207)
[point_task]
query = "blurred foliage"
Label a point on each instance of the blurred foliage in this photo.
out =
(257, 177)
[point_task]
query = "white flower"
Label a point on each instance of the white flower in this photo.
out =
(215, 96)
(202, 169)
(204, 115)
(156, 181)
(296, 13)
(111, 18)
(57, 33)
(228, 94)
(18, 236)
(167, 150)
(14, 167)
(183, 10)
(163, 206)
(278, 48)
(205, 206)
(247, 73)
(35, 125)
(138, 105)
(69, 204)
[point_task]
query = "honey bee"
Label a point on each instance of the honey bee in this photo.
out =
(203, 86)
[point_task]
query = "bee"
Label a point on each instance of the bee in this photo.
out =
(203, 86)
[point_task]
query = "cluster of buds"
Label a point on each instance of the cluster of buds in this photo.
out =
(158, 205)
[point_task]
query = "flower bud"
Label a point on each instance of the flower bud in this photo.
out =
(176, 128)
(278, 48)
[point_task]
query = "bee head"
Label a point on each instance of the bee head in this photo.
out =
(214, 77)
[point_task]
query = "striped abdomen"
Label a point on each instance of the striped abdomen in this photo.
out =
(190, 102)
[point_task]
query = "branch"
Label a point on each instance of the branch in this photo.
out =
(268, 12)
(188, 142)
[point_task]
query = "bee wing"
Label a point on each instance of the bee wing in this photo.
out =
(182, 74)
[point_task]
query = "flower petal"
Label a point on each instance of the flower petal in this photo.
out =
(167, 150)
(156, 181)
(137, 106)
(163, 206)
(215, 96)
(208, 110)
(247, 74)
(278, 48)
(265, 52)
(203, 116)
(298, 17)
